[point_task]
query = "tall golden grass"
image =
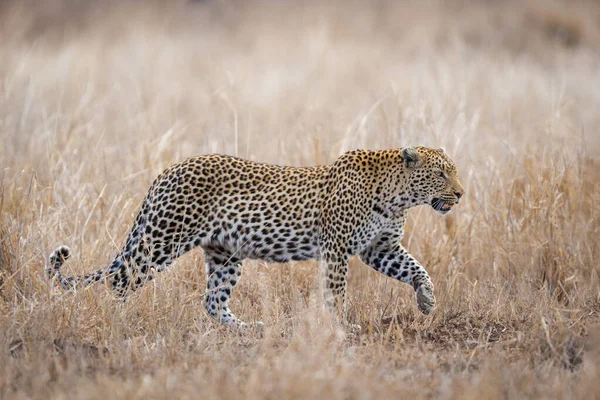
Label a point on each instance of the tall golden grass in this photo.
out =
(95, 100)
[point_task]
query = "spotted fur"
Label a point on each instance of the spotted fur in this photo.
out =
(236, 209)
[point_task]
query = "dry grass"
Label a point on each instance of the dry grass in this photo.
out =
(94, 102)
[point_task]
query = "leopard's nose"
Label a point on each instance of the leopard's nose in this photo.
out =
(458, 195)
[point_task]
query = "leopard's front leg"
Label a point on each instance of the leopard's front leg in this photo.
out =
(336, 275)
(334, 291)
(397, 263)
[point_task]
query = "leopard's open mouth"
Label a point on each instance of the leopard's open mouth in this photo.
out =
(441, 206)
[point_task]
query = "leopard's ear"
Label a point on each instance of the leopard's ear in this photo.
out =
(441, 150)
(411, 157)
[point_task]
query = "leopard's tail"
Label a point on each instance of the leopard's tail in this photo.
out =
(56, 261)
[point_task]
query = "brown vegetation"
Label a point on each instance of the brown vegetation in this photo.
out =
(96, 100)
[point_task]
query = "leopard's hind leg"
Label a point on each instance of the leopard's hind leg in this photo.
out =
(223, 272)
(139, 261)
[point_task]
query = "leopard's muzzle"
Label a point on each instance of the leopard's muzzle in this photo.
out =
(441, 206)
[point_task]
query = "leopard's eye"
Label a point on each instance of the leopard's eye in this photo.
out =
(441, 174)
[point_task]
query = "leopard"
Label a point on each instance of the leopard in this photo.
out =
(236, 209)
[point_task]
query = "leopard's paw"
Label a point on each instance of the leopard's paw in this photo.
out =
(425, 298)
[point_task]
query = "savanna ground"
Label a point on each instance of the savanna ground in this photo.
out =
(95, 100)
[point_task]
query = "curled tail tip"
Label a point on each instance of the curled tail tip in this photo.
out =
(57, 259)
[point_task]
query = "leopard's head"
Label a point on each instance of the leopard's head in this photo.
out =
(433, 178)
